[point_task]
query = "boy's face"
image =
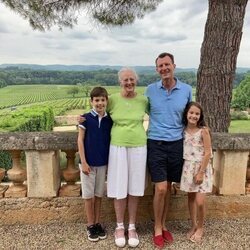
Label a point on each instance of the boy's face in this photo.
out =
(99, 104)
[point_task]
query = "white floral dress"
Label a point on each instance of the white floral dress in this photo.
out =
(193, 154)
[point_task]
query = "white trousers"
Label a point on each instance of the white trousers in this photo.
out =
(126, 171)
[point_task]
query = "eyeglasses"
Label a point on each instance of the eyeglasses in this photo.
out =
(129, 79)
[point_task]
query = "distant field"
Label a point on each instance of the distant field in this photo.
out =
(56, 95)
(17, 95)
(27, 94)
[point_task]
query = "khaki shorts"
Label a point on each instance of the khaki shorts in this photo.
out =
(94, 183)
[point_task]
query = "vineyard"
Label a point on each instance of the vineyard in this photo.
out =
(15, 97)
(26, 94)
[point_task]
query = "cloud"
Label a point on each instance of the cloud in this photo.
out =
(3, 30)
(55, 45)
(82, 35)
(175, 26)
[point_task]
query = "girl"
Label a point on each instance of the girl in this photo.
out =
(197, 171)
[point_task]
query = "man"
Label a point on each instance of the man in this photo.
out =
(167, 100)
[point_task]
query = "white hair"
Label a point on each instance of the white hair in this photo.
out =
(127, 69)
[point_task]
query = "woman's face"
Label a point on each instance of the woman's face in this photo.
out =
(128, 81)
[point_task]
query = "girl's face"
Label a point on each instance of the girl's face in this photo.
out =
(193, 115)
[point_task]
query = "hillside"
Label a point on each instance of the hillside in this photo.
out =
(60, 67)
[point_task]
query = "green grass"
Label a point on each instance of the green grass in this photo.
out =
(239, 126)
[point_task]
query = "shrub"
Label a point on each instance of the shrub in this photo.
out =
(239, 115)
(27, 120)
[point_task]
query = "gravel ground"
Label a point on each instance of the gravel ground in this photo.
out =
(219, 234)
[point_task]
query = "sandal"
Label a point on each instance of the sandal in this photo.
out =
(197, 237)
(120, 236)
(133, 239)
(190, 233)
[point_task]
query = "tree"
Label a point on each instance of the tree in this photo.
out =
(219, 50)
(85, 88)
(219, 53)
(43, 14)
(241, 99)
(73, 91)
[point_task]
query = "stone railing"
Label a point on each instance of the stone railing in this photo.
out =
(41, 175)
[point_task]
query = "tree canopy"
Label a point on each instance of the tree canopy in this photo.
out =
(43, 15)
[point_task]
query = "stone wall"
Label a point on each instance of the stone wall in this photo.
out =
(42, 204)
(71, 209)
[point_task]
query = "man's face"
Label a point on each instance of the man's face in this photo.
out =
(99, 104)
(165, 67)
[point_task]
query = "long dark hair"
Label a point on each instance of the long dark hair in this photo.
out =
(201, 122)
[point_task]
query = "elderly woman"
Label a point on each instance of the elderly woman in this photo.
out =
(127, 156)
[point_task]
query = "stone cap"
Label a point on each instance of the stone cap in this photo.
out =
(38, 141)
(68, 141)
(231, 141)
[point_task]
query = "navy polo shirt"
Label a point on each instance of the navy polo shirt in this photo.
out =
(97, 138)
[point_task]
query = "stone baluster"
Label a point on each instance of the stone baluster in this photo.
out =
(17, 175)
(70, 175)
(2, 187)
(248, 176)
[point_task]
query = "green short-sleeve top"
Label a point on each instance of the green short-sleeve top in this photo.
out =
(127, 115)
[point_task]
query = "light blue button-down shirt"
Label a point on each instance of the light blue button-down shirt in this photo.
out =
(166, 109)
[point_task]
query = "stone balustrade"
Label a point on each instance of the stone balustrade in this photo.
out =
(42, 176)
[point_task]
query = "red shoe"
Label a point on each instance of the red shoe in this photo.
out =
(167, 236)
(158, 241)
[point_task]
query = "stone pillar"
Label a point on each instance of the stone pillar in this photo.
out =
(230, 171)
(17, 175)
(43, 173)
(70, 175)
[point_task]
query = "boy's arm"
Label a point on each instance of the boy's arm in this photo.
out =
(85, 167)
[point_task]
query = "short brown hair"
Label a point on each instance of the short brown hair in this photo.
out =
(162, 55)
(97, 92)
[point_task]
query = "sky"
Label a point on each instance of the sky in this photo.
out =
(175, 26)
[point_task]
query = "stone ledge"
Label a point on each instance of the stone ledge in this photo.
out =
(70, 209)
(227, 141)
(68, 141)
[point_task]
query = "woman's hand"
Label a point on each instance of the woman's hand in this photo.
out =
(80, 119)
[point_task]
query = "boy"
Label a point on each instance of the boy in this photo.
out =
(93, 147)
